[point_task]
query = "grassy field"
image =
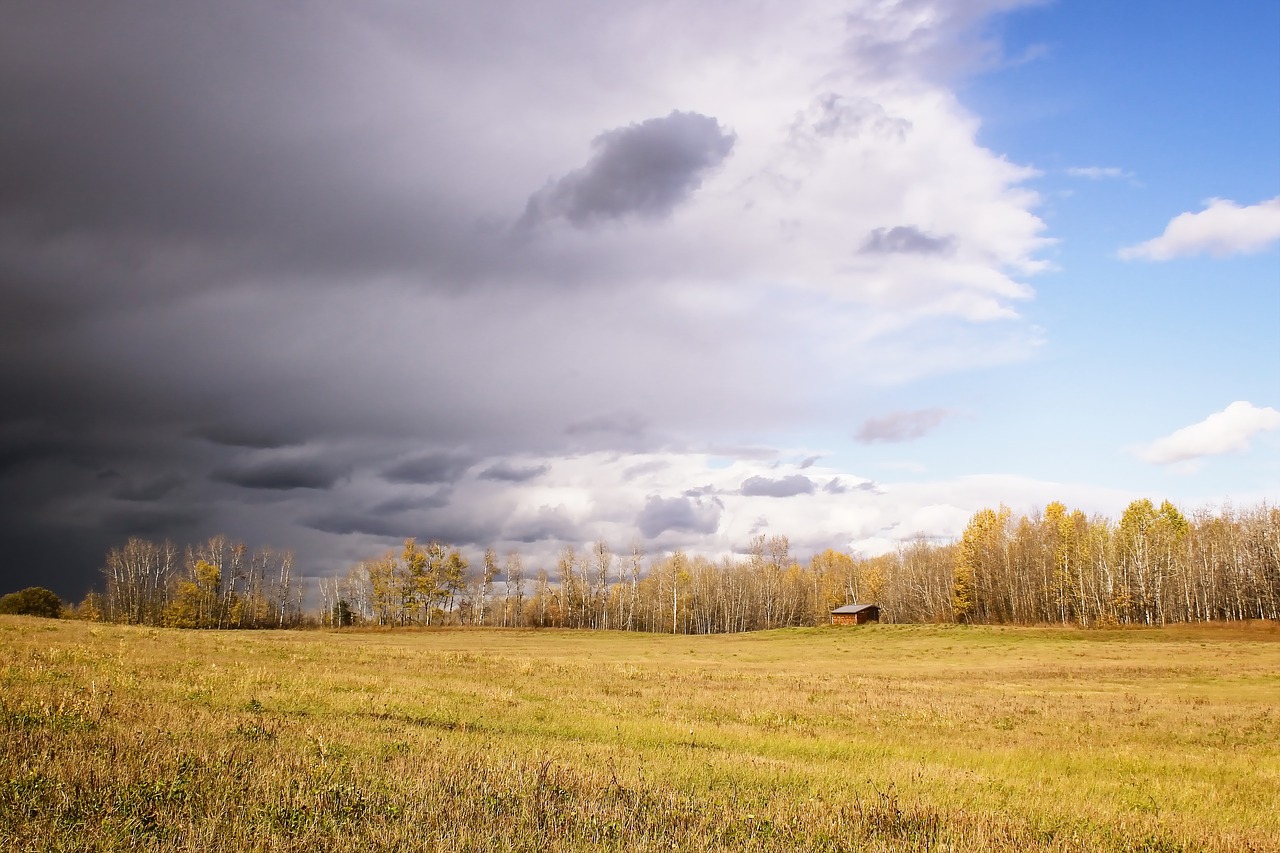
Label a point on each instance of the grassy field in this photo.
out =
(869, 738)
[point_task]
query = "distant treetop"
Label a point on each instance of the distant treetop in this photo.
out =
(32, 601)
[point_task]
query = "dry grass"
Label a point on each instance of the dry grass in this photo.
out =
(874, 738)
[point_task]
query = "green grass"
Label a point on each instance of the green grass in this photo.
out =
(869, 738)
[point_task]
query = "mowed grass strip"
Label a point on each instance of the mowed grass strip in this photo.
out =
(868, 738)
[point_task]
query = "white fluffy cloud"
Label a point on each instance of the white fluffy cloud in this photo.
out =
(1228, 431)
(1222, 228)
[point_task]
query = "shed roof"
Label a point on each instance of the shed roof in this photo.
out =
(855, 608)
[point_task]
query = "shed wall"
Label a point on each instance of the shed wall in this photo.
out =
(862, 617)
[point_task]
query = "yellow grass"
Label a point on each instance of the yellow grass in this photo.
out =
(867, 738)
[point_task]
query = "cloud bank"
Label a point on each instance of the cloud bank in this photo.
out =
(322, 277)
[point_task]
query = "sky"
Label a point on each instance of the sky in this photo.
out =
(324, 276)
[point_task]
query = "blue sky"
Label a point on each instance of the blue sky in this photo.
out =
(843, 270)
(1183, 103)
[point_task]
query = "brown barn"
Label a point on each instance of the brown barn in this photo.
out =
(855, 614)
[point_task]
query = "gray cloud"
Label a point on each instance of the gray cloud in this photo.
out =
(901, 426)
(431, 468)
(140, 519)
(837, 486)
(647, 467)
(929, 46)
(783, 487)
(505, 472)
(757, 453)
(391, 521)
(462, 532)
(645, 170)
(550, 523)
(247, 436)
(832, 115)
(618, 423)
(217, 162)
(282, 474)
(838, 116)
(408, 503)
(343, 523)
(148, 490)
(905, 240)
(681, 515)
(27, 442)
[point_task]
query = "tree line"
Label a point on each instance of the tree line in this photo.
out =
(1054, 566)
(214, 584)
(1154, 566)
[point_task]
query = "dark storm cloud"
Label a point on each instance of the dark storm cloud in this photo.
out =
(905, 240)
(901, 426)
(69, 562)
(343, 523)
(431, 468)
(645, 170)
(681, 515)
(26, 442)
(282, 474)
(188, 196)
(247, 436)
(135, 519)
(156, 149)
(783, 487)
(232, 233)
(407, 503)
(148, 490)
(505, 472)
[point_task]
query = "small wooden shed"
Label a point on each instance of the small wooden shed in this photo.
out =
(855, 614)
